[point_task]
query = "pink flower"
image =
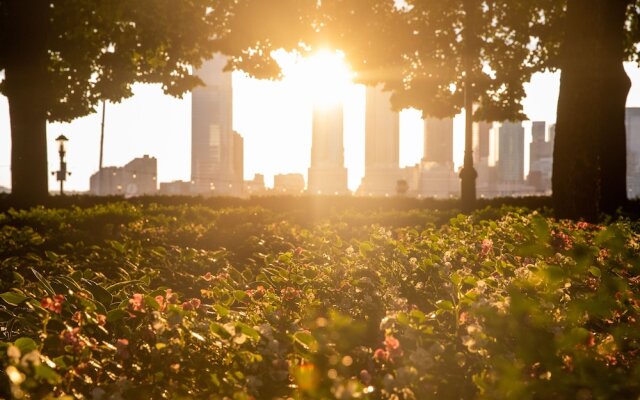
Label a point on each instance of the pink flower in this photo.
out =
(71, 337)
(102, 319)
(192, 304)
(583, 225)
(365, 377)
(290, 294)
(392, 347)
(487, 246)
(135, 302)
(171, 297)
(54, 304)
(207, 277)
(391, 343)
(161, 303)
(122, 348)
(380, 355)
(562, 241)
(258, 293)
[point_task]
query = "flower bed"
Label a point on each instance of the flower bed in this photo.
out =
(122, 301)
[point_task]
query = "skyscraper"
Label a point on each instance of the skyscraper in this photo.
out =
(382, 145)
(632, 123)
(540, 158)
(438, 141)
(482, 141)
(327, 174)
(511, 153)
(214, 164)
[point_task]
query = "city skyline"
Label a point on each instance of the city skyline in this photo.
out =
(166, 135)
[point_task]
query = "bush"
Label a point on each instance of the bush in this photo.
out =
(128, 300)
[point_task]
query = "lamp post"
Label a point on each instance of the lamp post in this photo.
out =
(61, 175)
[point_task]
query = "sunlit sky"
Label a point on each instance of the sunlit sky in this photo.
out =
(273, 117)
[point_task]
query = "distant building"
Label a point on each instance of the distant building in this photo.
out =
(482, 139)
(136, 178)
(540, 159)
(481, 153)
(141, 176)
(288, 183)
(632, 122)
(176, 188)
(438, 180)
(216, 150)
(438, 141)
(511, 153)
(255, 187)
(382, 145)
(327, 174)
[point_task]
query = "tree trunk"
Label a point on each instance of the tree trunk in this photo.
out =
(26, 87)
(589, 169)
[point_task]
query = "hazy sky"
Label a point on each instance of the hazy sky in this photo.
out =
(273, 117)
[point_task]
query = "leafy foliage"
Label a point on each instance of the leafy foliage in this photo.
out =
(123, 301)
(97, 50)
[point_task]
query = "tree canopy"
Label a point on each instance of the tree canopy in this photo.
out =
(96, 50)
(421, 51)
(60, 58)
(427, 53)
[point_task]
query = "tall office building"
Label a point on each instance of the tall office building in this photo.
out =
(438, 141)
(482, 138)
(327, 174)
(540, 158)
(632, 124)
(511, 153)
(214, 154)
(382, 145)
(481, 156)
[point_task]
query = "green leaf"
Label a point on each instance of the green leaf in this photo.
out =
(18, 279)
(247, 330)
(13, 298)
(239, 295)
(120, 285)
(595, 271)
(98, 292)
(444, 305)
(117, 246)
(152, 303)
(306, 340)
(26, 345)
(116, 315)
(219, 330)
(45, 283)
(46, 373)
(221, 310)
(365, 247)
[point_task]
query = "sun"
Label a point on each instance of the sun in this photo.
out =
(322, 77)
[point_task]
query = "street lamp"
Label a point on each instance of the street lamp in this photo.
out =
(61, 175)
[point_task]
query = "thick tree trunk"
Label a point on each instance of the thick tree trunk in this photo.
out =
(589, 170)
(26, 87)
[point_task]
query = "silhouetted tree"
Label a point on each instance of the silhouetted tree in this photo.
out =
(589, 172)
(60, 58)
